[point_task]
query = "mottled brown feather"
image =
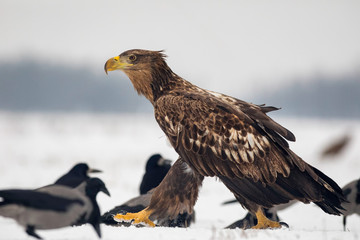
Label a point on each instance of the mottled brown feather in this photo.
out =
(226, 140)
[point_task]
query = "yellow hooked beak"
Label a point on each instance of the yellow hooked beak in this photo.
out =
(115, 63)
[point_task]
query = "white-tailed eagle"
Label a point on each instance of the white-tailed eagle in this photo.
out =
(218, 135)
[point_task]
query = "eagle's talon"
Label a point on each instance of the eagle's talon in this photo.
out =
(271, 225)
(138, 218)
(284, 224)
(264, 223)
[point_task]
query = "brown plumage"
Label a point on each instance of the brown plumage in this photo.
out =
(218, 135)
(180, 188)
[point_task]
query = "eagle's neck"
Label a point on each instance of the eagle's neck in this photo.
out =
(141, 80)
(163, 80)
(152, 83)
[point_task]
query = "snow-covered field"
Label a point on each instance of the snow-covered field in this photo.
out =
(35, 149)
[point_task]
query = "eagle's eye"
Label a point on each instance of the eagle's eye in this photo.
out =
(132, 57)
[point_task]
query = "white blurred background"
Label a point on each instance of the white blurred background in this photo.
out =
(276, 52)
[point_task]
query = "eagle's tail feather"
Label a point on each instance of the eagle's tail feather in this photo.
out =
(309, 186)
(332, 194)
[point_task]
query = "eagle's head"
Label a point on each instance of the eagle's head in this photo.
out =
(135, 59)
(146, 69)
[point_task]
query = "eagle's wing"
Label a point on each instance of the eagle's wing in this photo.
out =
(217, 138)
(258, 114)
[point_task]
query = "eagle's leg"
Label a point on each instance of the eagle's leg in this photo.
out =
(176, 194)
(263, 222)
(139, 217)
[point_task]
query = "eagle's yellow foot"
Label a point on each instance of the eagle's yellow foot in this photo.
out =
(263, 222)
(136, 218)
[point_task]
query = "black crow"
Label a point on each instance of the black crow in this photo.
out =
(76, 175)
(54, 206)
(155, 171)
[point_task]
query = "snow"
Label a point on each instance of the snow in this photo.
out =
(36, 148)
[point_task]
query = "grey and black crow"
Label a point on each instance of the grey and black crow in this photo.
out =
(54, 206)
(352, 195)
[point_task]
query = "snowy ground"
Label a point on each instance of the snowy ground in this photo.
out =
(35, 149)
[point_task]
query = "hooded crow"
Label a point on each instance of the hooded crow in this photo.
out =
(54, 206)
(352, 195)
